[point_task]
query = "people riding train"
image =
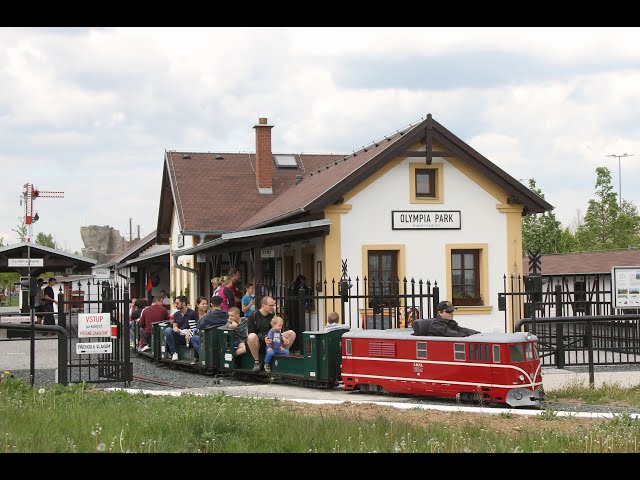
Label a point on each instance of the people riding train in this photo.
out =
(443, 325)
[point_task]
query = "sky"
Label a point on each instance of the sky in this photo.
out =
(91, 111)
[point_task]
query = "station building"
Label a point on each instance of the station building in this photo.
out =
(417, 204)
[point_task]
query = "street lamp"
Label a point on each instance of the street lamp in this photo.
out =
(620, 172)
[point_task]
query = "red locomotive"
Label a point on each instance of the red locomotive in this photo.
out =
(492, 368)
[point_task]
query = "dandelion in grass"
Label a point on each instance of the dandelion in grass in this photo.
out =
(41, 390)
(101, 447)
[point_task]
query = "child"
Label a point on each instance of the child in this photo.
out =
(239, 324)
(333, 322)
(248, 301)
(274, 342)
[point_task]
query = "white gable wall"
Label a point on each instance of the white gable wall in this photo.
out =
(369, 223)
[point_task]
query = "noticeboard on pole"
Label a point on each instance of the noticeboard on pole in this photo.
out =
(625, 285)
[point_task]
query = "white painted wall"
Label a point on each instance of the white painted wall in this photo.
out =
(369, 222)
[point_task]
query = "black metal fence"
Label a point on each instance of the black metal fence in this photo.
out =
(360, 303)
(112, 365)
(574, 320)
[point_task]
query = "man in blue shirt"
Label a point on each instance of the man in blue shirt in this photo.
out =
(175, 333)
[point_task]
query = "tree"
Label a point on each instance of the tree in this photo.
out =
(542, 232)
(46, 240)
(608, 226)
(21, 230)
(628, 226)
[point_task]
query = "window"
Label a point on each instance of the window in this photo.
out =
(347, 346)
(421, 349)
(382, 276)
(465, 277)
(425, 183)
(459, 351)
(496, 354)
(517, 353)
(479, 352)
(285, 161)
(580, 296)
(531, 353)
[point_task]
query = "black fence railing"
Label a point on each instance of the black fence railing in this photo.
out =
(574, 320)
(360, 303)
(587, 340)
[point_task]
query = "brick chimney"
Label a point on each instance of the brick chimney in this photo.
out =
(264, 157)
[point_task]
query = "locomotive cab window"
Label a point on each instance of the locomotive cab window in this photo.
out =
(516, 353)
(421, 349)
(459, 352)
(531, 352)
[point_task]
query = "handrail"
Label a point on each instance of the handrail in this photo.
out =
(63, 337)
(585, 318)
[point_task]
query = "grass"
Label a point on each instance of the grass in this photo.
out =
(607, 394)
(75, 418)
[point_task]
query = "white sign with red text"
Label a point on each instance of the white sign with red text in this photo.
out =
(94, 325)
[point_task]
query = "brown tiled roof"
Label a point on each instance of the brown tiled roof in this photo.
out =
(587, 262)
(218, 195)
(315, 183)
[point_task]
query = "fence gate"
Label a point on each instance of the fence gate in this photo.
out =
(96, 317)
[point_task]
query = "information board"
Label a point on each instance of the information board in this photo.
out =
(625, 285)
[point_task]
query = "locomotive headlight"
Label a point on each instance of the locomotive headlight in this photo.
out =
(521, 378)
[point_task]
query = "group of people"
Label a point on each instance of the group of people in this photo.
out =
(257, 330)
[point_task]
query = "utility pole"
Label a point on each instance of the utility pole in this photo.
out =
(130, 231)
(620, 172)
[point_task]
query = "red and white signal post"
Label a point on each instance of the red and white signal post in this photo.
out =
(30, 194)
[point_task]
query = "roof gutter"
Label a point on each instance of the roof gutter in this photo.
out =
(251, 233)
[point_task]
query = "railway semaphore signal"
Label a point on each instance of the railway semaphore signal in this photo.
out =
(30, 193)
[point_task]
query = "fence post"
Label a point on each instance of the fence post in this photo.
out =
(590, 353)
(302, 300)
(436, 299)
(559, 329)
(62, 319)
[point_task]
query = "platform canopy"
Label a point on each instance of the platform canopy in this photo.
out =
(18, 257)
